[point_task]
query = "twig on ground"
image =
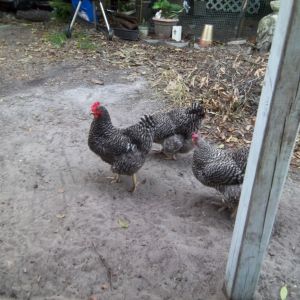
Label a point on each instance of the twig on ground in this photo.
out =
(105, 264)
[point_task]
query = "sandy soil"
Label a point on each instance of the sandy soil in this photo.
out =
(60, 237)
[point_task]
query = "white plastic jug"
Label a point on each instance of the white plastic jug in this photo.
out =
(176, 33)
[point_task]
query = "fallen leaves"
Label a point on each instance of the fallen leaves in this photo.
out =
(283, 293)
(227, 80)
(123, 223)
(104, 286)
(96, 81)
(60, 216)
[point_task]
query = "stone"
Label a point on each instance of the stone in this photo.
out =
(266, 28)
(177, 44)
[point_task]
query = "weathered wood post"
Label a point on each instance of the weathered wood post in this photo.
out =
(274, 137)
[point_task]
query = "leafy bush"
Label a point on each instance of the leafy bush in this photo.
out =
(61, 9)
(168, 10)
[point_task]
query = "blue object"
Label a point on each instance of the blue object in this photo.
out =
(85, 11)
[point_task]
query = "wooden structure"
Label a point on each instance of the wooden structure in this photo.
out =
(274, 137)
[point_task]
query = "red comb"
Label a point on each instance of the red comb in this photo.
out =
(194, 135)
(94, 106)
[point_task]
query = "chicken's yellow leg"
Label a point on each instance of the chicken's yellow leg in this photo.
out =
(134, 183)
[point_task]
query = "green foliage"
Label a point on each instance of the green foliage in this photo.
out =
(57, 39)
(61, 10)
(85, 43)
(168, 10)
(126, 5)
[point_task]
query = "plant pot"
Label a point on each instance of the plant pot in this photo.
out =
(163, 27)
(144, 30)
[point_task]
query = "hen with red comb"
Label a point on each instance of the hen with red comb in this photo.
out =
(124, 149)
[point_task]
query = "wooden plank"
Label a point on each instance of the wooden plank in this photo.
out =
(241, 19)
(274, 137)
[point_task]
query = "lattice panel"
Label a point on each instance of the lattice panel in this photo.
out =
(233, 5)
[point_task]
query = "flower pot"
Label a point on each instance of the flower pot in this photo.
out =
(144, 30)
(163, 27)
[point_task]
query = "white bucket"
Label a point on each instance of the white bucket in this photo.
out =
(176, 33)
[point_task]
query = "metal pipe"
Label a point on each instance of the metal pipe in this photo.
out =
(75, 15)
(104, 15)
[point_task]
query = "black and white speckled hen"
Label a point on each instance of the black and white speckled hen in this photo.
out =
(174, 128)
(124, 149)
(221, 169)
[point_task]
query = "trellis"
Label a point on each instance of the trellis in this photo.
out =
(233, 5)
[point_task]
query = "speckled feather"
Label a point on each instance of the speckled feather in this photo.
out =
(124, 149)
(222, 169)
(174, 128)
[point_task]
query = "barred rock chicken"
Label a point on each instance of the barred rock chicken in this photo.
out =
(124, 149)
(174, 128)
(221, 169)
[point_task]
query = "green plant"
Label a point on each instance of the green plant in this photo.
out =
(85, 43)
(61, 9)
(57, 39)
(168, 10)
(126, 5)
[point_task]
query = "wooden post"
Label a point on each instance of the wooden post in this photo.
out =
(274, 137)
(241, 19)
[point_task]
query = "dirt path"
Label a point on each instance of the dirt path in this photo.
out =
(60, 237)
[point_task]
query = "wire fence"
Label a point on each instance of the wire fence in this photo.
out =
(227, 16)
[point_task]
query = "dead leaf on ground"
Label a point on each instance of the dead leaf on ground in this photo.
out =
(123, 223)
(97, 81)
(60, 216)
(104, 286)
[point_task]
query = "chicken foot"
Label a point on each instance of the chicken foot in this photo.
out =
(166, 157)
(114, 179)
(172, 157)
(222, 206)
(156, 151)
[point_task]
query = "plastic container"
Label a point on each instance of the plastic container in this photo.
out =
(176, 33)
(143, 30)
(206, 37)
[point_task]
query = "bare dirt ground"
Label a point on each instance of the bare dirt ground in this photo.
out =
(62, 234)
